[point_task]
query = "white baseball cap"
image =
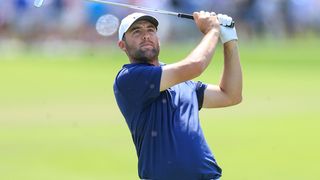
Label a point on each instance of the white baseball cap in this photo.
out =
(132, 18)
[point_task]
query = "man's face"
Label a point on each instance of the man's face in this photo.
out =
(141, 42)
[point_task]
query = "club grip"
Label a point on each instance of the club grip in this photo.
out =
(189, 16)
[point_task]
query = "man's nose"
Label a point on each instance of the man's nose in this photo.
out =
(146, 36)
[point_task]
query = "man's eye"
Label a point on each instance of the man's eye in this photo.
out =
(152, 30)
(137, 31)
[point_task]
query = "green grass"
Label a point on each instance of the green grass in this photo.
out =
(59, 119)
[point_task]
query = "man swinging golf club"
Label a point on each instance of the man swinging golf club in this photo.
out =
(161, 104)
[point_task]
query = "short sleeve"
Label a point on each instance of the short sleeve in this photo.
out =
(139, 83)
(200, 88)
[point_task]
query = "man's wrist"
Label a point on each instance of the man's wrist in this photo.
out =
(231, 44)
(228, 34)
(214, 32)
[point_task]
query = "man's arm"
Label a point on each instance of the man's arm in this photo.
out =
(229, 91)
(198, 60)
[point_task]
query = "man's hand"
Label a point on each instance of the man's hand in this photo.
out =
(206, 21)
(227, 34)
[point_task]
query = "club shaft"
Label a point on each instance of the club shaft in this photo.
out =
(38, 3)
(136, 7)
(180, 15)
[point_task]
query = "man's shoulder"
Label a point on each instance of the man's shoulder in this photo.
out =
(133, 74)
(125, 70)
(133, 67)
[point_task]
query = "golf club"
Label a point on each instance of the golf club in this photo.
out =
(38, 3)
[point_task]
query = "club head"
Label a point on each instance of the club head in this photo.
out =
(38, 3)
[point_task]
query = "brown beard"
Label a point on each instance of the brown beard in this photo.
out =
(146, 56)
(143, 56)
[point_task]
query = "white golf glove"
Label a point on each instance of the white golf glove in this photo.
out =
(226, 33)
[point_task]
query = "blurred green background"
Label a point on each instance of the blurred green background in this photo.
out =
(59, 118)
(58, 115)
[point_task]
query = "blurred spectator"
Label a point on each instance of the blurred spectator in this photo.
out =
(75, 19)
(302, 15)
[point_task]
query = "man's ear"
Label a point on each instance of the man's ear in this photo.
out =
(122, 45)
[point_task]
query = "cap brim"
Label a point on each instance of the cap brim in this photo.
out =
(148, 18)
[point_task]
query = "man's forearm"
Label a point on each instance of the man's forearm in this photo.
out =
(193, 65)
(203, 53)
(231, 82)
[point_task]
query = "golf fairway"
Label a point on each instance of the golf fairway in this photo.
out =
(59, 119)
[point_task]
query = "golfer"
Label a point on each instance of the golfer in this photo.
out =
(161, 104)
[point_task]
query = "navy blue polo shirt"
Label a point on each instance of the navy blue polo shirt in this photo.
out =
(165, 125)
